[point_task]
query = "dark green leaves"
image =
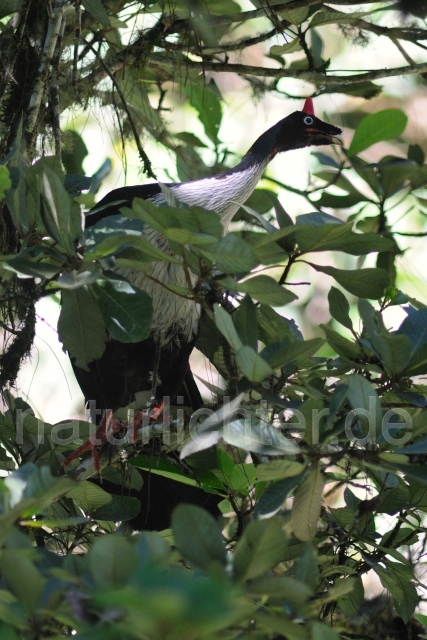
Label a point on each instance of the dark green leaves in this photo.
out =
(340, 237)
(126, 311)
(262, 546)
(339, 307)
(5, 182)
(262, 288)
(231, 255)
(364, 283)
(57, 211)
(81, 326)
(198, 536)
(96, 9)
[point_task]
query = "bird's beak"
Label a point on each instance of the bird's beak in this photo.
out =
(337, 140)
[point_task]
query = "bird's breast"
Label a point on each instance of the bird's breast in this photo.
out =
(173, 314)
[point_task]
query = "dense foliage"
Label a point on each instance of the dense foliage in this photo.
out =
(317, 446)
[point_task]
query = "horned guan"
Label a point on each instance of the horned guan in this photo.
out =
(127, 368)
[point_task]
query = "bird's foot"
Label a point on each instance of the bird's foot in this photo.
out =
(109, 428)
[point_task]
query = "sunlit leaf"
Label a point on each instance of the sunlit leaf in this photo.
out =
(376, 127)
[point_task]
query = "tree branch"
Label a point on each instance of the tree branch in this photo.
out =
(302, 74)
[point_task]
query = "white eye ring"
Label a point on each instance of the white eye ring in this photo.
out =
(308, 120)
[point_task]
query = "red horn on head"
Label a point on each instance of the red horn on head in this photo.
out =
(308, 106)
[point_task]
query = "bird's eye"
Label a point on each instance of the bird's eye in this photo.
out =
(308, 120)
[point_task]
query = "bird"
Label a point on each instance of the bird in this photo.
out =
(127, 368)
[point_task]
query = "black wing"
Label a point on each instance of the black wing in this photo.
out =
(121, 197)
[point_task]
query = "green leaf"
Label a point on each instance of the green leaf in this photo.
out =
(307, 504)
(112, 560)
(262, 546)
(231, 255)
(148, 251)
(81, 327)
(121, 508)
(57, 211)
(7, 7)
(89, 497)
(321, 631)
(262, 288)
(207, 102)
(22, 577)
(23, 216)
(77, 279)
(286, 352)
(289, 47)
(5, 181)
(96, 9)
(397, 578)
(245, 321)
(317, 219)
(351, 602)
(252, 365)
(340, 238)
(341, 345)
(274, 497)
(366, 406)
(225, 324)
(295, 16)
(417, 365)
(127, 311)
(364, 283)
(376, 127)
(32, 262)
(307, 568)
(276, 328)
(276, 469)
(258, 437)
(282, 587)
(415, 328)
(393, 351)
(339, 307)
(366, 89)
(197, 536)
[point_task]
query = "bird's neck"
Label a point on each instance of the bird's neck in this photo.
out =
(225, 192)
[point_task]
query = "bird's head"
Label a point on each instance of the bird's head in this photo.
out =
(303, 129)
(299, 129)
